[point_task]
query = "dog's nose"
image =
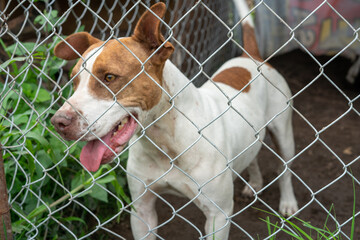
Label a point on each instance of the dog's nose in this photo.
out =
(67, 124)
(62, 121)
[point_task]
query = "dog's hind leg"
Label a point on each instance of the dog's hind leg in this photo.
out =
(255, 179)
(282, 135)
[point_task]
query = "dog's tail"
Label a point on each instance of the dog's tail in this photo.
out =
(248, 31)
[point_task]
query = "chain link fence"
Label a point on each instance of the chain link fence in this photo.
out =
(53, 197)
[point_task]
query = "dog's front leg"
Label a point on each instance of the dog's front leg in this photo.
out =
(217, 205)
(143, 217)
(217, 225)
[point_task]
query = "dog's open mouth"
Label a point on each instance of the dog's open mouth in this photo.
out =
(96, 152)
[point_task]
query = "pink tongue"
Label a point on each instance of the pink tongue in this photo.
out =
(93, 152)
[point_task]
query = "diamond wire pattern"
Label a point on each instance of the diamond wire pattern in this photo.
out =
(192, 40)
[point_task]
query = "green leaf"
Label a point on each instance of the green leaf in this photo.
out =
(53, 66)
(28, 75)
(12, 95)
(39, 20)
(8, 165)
(99, 193)
(76, 149)
(118, 187)
(56, 144)
(17, 207)
(53, 14)
(81, 28)
(43, 96)
(17, 120)
(28, 89)
(40, 139)
(30, 160)
(29, 46)
(270, 231)
(4, 47)
(18, 227)
(6, 135)
(85, 193)
(77, 180)
(10, 61)
(317, 230)
(293, 225)
(106, 179)
(37, 211)
(124, 156)
(72, 219)
(352, 232)
(282, 229)
(49, 18)
(20, 119)
(44, 158)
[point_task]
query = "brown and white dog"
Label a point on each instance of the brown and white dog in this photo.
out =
(122, 92)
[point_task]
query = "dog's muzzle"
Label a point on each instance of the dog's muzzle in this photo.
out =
(67, 124)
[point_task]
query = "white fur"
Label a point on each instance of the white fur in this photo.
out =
(195, 167)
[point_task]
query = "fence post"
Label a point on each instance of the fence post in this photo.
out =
(5, 224)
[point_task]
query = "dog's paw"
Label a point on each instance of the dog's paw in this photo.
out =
(248, 192)
(288, 208)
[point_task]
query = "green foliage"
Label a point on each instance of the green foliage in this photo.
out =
(271, 229)
(47, 20)
(300, 234)
(38, 163)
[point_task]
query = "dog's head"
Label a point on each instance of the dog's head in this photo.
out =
(112, 87)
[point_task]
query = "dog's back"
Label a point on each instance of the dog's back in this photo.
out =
(255, 93)
(258, 97)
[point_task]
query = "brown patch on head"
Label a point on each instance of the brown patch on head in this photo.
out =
(115, 59)
(147, 31)
(236, 77)
(124, 66)
(79, 42)
(76, 68)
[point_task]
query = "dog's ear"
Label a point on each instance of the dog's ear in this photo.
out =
(80, 41)
(147, 30)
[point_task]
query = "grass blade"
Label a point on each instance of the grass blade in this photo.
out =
(282, 229)
(353, 213)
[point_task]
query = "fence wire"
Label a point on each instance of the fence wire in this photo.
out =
(53, 197)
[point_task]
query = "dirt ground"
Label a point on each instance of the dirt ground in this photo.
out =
(321, 104)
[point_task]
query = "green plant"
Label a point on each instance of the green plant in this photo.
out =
(300, 234)
(271, 229)
(26, 105)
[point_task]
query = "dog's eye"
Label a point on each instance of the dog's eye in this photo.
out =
(109, 77)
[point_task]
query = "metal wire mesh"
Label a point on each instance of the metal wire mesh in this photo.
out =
(49, 191)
